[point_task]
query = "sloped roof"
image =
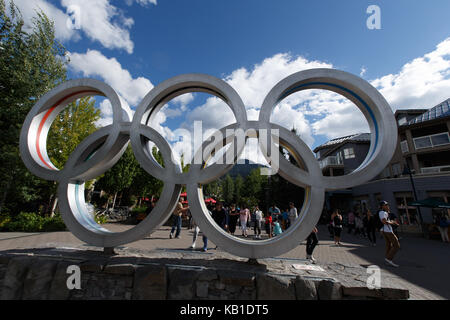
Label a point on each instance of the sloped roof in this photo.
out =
(359, 137)
(440, 111)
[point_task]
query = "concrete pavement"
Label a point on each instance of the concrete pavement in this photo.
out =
(423, 263)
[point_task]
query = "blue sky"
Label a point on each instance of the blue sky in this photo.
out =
(134, 45)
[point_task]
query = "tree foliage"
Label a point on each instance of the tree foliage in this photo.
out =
(75, 123)
(31, 64)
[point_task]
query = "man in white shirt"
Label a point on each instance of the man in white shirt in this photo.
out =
(392, 244)
(258, 221)
(292, 215)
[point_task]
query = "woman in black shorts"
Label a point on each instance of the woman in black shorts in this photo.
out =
(336, 219)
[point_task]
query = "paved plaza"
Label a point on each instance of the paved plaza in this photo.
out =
(423, 263)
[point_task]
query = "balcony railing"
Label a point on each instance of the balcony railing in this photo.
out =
(435, 169)
(432, 141)
(331, 161)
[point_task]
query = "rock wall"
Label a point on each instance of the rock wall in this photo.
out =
(42, 276)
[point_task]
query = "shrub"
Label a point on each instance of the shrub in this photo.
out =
(53, 224)
(100, 218)
(4, 220)
(32, 222)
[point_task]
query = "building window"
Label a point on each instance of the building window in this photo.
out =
(432, 140)
(402, 121)
(397, 169)
(404, 146)
(440, 139)
(349, 153)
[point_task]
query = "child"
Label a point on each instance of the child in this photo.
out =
(277, 228)
(268, 225)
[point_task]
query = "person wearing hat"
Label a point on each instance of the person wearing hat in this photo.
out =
(392, 244)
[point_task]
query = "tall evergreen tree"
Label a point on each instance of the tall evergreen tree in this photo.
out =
(31, 64)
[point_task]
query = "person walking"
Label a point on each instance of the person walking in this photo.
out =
(258, 220)
(244, 216)
(336, 219)
(274, 211)
(285, 217)
(292, 215)
(370, 226)
(443, 226)
(195, 235)
(351, 222)
(359, 225)
(233, 216)
(220, 216)
(311, 243)
(177, 218)
(392, 244)
(268, 225)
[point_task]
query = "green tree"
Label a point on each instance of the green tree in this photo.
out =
(120, 176)
(238, 189)
(143, 184)
(75, 123)
(68, 130)
(228, 189)
(31, 64)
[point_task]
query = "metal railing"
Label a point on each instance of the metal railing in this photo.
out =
(331, 161)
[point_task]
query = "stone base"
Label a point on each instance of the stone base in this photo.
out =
(42, 274)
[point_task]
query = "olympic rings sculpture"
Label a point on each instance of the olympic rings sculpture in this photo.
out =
(102, 149)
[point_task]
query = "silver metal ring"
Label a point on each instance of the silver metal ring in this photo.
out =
(101, 150)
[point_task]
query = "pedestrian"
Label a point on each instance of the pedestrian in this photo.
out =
(392, 244)
(443, 226)
(268, 225)
(311, 243)
(220, 216)
(285, 217)
(292, 215)
(177, 218)
(233, 216)
(190, 220)
(244, 216)
(359, 225)
(196, 232)
(258, 220)
(370, 226)
(336, 219)
(274, 211)
(351, 222)
(276, 227)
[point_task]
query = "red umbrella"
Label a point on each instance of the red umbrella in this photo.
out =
(210, 200)
(184, 194)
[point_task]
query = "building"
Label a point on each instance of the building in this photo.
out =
(423, 148)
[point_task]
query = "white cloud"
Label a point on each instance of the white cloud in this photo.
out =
(94, 63)
(28, 9)
(421, 83)
(99, 20)
(363, 71)
(141, 2)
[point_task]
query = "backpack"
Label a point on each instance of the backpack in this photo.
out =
(443, 223)
(378, 223)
